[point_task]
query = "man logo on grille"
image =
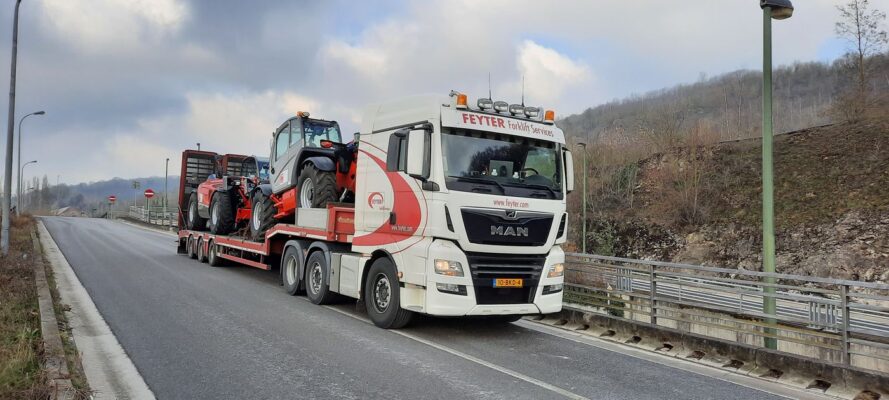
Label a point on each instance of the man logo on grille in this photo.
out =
(497, 230)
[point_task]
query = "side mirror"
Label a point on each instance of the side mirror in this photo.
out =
(418, 154)
(569, 172)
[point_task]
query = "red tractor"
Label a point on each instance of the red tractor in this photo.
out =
(222, 202)
(309, 168)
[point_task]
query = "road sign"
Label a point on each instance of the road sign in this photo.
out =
(149, 193)
(137, 184)
(112, 198)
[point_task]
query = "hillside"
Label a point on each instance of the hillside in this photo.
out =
(701, 203)
(729, 105)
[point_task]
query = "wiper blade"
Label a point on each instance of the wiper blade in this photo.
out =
(479, 180)
(536, 186)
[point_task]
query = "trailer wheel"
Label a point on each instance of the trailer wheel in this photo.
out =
(381, 296)
(189, 248)
(262, 215)
(290, 277)
(213, 256)
(316, 188)
(202, 257)
(193, 220)
(317, 279)
(222, 215)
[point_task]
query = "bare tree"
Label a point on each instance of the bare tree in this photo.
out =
(861, 26)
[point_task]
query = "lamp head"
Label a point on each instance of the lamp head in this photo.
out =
(40, 113)
(781, 9)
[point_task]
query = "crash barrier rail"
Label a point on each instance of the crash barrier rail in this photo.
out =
(829, 319)
(153, 215)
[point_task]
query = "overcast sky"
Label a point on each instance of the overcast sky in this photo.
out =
(128, 83)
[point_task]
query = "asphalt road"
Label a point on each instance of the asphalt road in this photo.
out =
(196, 332)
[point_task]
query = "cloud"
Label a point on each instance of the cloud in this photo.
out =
(98, 25)
(547, 73)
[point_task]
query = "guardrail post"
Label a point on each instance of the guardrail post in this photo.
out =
(847, 357)
(652, 293)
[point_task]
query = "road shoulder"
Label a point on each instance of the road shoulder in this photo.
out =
(110, 372)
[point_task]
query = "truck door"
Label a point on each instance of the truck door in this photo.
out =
(288, 142)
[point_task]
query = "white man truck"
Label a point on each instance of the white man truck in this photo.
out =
(456, 211)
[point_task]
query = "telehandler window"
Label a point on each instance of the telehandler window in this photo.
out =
(282, 141)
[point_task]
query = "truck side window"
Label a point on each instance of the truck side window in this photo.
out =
(396, 157)
(282, 141)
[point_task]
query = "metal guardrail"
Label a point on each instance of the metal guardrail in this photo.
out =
(840, 318)
(153, 215)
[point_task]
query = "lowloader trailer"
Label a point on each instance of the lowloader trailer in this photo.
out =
(457, 211)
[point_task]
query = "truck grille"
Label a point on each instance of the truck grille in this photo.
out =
(506, 227)
(487, 267)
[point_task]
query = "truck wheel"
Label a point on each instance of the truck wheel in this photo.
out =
(290, 277)
(200, 250)
(317, 276)
(213, 255)
(189, 248)
(222, 215)
(193, 220)
(381, 296)
(262, 215)
(316, 188)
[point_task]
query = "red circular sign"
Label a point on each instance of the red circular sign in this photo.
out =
(112, 198)
(149, 193)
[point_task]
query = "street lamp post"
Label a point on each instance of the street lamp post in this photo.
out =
(22, 175)
(19, 158)
(583, 212)
(10, 125)
(166, 176)
(777, 9)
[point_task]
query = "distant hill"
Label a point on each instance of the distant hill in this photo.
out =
(94, 195)
(728, 105)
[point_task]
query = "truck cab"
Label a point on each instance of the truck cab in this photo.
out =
(468, 202)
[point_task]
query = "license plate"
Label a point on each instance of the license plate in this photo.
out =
(508, 283)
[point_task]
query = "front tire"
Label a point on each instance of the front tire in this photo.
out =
(193, 220)
(222, 215)
(317, 279)
(262, 215)
(316, 188)
(382, 296)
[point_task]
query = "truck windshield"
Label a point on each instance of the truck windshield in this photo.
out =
(316, 131)
(476, 161)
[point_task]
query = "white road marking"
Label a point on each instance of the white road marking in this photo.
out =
(467, 357)
(108, 369)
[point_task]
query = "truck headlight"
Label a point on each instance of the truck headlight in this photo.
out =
(556, 271)
(448, 268)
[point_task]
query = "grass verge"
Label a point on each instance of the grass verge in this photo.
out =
(21, 346)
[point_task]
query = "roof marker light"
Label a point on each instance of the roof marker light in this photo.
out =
(516, 109)
(461, 102)
(549, 117)
(501, 106)
(485, 104)
(532, 112)
(302, 114)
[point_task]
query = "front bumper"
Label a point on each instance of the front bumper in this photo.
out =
(448, 304)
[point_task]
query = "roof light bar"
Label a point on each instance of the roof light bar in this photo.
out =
(532, 112)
